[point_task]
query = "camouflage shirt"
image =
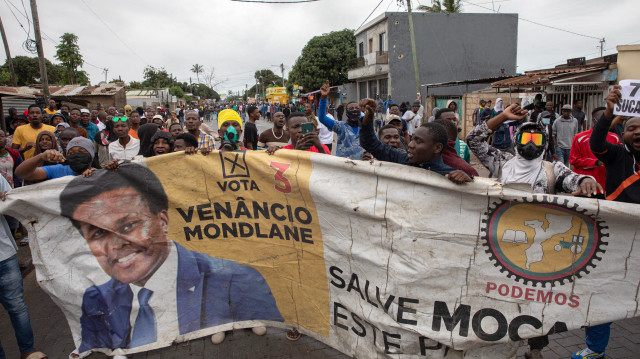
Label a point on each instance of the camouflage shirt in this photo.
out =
(494, 159)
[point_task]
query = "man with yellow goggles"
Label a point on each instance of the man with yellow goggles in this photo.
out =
(538, 138)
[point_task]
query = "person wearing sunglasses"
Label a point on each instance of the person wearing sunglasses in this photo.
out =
(126, 147)
(527, 166)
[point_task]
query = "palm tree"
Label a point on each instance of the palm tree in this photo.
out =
(450, 6)
(197, 69)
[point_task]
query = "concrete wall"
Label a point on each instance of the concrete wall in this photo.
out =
(450, 47)
(628, 62)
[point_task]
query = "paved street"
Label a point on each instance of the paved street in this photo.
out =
(54, 338)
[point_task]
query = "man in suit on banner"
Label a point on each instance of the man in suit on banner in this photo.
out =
(158, 289)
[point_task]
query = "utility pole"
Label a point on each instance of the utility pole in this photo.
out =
(9, 60)
(43, 66)
(413, 50)
(602, 41)
(106, 71)
(282, 70)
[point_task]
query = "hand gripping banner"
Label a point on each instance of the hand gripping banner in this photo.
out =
(374, 260)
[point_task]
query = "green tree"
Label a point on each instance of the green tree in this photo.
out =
(156, 77)
(325, 57)
(450, 6)
(69, 55)
(28, 71)
(135, 85)
(80, 77)
(197, 69)
(176, 91)
(265, 78)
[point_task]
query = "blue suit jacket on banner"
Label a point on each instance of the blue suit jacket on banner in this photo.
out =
(210, 291)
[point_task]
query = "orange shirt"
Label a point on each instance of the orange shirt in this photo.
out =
(133, 133)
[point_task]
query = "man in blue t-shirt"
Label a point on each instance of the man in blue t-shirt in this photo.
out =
(78, 162)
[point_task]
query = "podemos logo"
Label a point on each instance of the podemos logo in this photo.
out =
(539, 241)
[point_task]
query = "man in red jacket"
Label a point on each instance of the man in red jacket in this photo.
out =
(584, 162)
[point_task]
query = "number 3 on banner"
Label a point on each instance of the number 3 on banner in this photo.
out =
(281, 168)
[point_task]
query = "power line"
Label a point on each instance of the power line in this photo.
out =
(14, 15)
(533, 22)
(593, 53)
(114, 33)
(374, 9)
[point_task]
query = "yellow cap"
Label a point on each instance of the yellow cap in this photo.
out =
(228, 115)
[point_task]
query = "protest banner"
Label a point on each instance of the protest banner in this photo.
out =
(629, 104)
(373, 259)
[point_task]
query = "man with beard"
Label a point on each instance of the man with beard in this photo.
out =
(24, 138)
(78, 162)
(277, 136)
(348, 144)
(622, 185)
(192, 124)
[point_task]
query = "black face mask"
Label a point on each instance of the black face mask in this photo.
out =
(79, 162)
(353, 116)
(530, 151)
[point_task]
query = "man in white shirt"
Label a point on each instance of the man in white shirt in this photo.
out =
(412, 118)
(126, 147)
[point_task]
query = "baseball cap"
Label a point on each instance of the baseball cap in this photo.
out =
(566, 107)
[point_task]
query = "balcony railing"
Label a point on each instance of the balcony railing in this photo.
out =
(382, 57)
(378, 57)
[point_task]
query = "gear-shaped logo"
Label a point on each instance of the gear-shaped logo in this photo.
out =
(543, 240)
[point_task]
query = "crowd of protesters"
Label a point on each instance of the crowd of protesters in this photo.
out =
(569, 153)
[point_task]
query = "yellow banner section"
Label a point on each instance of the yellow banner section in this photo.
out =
(256, 210)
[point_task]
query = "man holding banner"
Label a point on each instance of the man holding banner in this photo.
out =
(132, 247)
(620, 161)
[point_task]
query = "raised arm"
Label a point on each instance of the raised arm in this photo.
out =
(370, 142)
(598, 143)
(322, 108)
(489, 156)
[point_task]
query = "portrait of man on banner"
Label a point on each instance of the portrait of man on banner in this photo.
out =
(158, 289)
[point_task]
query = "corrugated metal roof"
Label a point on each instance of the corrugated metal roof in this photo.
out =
(466, 82)
(546, 76)
(62, 91)
(142, 92)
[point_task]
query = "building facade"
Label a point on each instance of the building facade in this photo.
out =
(449, 47)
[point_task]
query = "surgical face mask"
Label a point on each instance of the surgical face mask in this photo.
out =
(530, 151)
(79, 162)
(545, 121)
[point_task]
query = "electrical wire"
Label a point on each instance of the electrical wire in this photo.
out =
(593, 53)
(114, 33)
(14, 15)
(374, 9)
(533, 22)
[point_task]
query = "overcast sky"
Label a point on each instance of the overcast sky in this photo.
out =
(239, 38)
